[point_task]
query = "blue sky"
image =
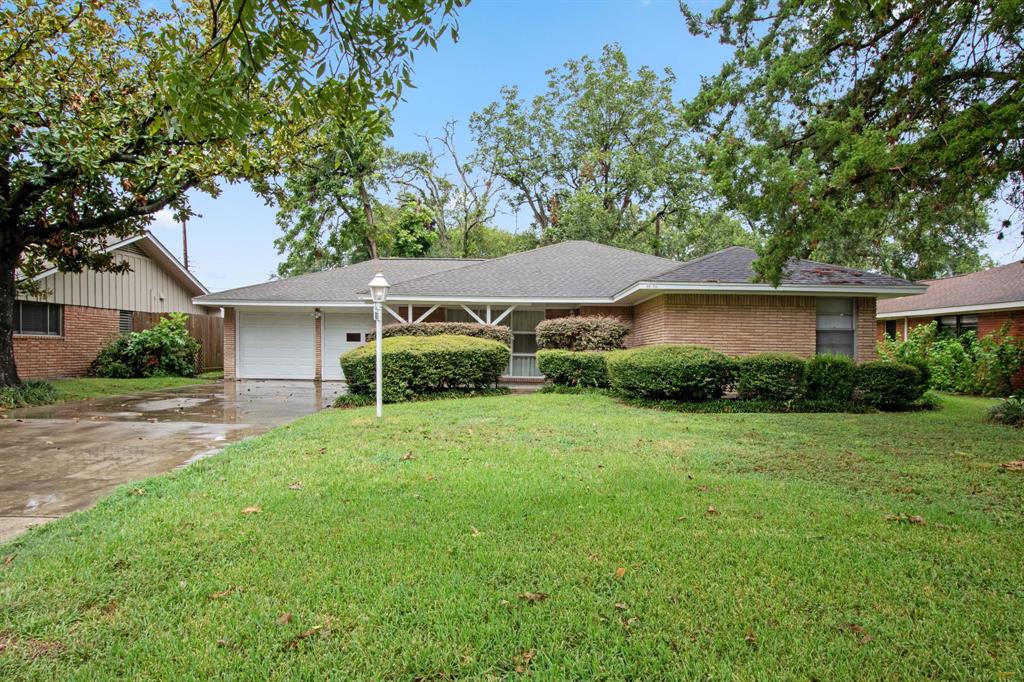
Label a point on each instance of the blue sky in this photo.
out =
(502, 42)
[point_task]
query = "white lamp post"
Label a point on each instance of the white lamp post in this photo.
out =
(378, 294)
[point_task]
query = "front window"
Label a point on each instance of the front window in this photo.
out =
(955, 325)
(41, 319)
(835, 328)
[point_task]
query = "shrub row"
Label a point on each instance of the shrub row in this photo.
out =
(419, 366)
(698, 374)
(585, 332)
(494, 332)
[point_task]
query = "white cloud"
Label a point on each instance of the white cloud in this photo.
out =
(164, 220)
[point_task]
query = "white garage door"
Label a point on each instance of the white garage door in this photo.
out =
(342, 332)
(276, 345)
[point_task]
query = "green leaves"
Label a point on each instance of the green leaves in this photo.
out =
(872, 135)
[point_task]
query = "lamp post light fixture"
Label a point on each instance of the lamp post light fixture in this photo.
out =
(378, 294)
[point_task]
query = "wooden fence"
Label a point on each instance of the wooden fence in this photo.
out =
(208, 329)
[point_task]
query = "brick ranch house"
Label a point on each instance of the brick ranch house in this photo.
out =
(297, 328)
(59, 333)
(981, 302)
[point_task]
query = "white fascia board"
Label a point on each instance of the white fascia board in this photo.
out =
(758, 288)
(229, 303)
(937, 312)
(501, 300)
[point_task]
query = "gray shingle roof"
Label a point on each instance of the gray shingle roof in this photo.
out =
(735, 265)
(1004, 284)
(569, 270)
(341, 285)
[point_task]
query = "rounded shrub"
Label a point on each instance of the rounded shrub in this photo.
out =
(494, 332)
(830, 378)
(586, 332)
(670, 372)
(421, 365)
(890, 385)
(572, 368)
(165, 349)
(769, 376)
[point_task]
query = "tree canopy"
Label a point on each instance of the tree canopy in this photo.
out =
(839, 127)
(113, 110)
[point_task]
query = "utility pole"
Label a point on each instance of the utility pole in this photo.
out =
(184, 242)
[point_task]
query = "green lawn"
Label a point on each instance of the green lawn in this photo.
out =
(668, 546)
(91, 387)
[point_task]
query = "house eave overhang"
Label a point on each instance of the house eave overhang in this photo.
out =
(952, 310)
(641, 288)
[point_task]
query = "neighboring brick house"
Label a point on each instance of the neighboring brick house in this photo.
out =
(59, 333)
(297, 328)
(983, 302)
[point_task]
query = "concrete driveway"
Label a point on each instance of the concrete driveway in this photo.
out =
(57, 459)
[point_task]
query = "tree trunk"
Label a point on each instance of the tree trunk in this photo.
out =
(8, 264)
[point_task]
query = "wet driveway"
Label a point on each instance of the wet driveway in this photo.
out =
(61, 458)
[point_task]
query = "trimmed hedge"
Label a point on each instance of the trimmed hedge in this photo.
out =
(672, 372)
(830, 378)
(770, 376)
(890, 385)
(494, 332)
(586, 332)
(415, 366)
(571, 368)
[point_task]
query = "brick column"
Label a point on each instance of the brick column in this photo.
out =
(229, 343)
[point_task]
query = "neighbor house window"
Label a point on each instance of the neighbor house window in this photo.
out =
(955, 325)
(890, 328)
(43, 319)
(835, 326)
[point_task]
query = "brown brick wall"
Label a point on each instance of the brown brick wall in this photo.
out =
(865, 339)
(229, 343)
(623, 313)
(86, 331)
(743, 324)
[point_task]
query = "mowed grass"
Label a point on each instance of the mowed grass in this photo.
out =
(561, 536)
(95, 387)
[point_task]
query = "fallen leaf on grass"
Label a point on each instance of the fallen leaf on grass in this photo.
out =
(285, 618)
(1013, 466)
(620, 571)
(712, 512)
(621, 605)
(906, 518)
(251, 510)
(223, 593)
(629, 623)
(534, 597)
(297, 485)
(862, 635)
(407, 457)
(474, 531)
(139, 491)
(8, 559)
(750, 639)
(305, 634)
(522, 661)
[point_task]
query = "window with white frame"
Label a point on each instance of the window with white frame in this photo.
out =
(523, 324)
(835, 328)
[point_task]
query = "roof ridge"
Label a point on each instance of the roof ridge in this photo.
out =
(608, 246)
(976, 272)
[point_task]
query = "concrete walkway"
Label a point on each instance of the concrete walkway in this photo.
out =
(57, 459)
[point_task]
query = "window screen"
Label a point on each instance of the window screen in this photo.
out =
(835, 326)
(38, 318)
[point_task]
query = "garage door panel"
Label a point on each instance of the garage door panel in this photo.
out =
(276, 345)
(340, 333)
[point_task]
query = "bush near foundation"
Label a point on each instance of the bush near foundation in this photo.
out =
(581, 333)
(417, 366)
(890, 385)
(494, 332)
(584, 369)
(770, 376)
(670, 372)
(166, 349)
(830, 378)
